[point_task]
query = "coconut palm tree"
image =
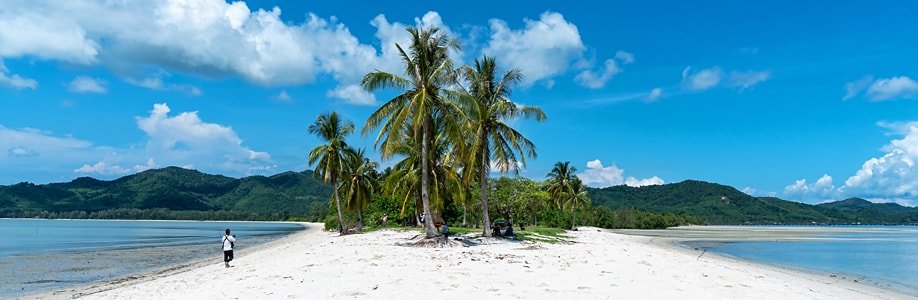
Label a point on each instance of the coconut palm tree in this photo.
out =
(561, 182)
(488, 108)
(428, 71)
(329, 157)
(404, 180)
(577, 200)
(359, 184)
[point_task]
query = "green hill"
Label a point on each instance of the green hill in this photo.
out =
(721, 204)
(173, 189)
(188, 194)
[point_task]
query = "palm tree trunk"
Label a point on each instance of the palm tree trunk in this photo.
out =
(483, 188)
(573, 219)
(417, 217)
(425, 170)
(359, 220)
(334, 181)
(464, 212)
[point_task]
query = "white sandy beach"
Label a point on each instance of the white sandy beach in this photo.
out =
(313, 264)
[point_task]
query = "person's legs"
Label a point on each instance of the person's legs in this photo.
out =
(227, 257)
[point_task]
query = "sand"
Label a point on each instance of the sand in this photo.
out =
(313, 264)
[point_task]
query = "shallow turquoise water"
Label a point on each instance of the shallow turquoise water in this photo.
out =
(48, 255)
(888, 258)
(31, 236)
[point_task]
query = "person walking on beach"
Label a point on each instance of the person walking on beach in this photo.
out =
(229, 242)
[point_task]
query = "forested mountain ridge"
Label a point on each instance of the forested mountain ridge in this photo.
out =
(299, 194)
(173, 188)
(721, 204)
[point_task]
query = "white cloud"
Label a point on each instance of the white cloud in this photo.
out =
(21, 152)
(544, 48)
(84, 84)
(852, 89)
(899, 87)
(822, 189)
(14, 80)
(709, 78)
(353, 94)
(654, 94)
(102, 168)
(631, 181)
(184, 138)
(598, 79)
(701, 80)
(891, 88)
(155, 82)
(597, 175)
(284, 97)
(213, 38)
(624, 57)
(893, 175)
(747, 79)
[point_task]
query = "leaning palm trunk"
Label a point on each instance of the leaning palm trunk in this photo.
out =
(425, 170)
(483, 185)
(464, 212)
(334, 180)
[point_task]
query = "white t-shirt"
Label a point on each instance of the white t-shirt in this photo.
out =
(227, 242)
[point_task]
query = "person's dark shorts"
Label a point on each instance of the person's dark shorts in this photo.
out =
(227, 256)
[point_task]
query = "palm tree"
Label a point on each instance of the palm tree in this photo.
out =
(331, 155)
(487, 106)
(577, 199)
(403, 181)
(360, 184)
(428, 70)
(560, 182)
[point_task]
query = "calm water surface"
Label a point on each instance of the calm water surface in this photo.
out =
(42, 255)
(887, 257)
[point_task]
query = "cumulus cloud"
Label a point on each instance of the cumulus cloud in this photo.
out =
(881, 89)
(183, 138)
(822, 189)
(102, 168)
(702, 79)
(353, 94)
(13, 80)
(891, 176)
(544, 48)
(597, 175)
(85, 84)
(214, 38)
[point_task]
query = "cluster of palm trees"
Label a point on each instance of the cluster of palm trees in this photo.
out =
(567, 190)
(448, 125)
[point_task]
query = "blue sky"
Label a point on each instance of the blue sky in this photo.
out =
(807, 101)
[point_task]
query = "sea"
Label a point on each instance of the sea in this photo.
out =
(39, 255)
(885, 256)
